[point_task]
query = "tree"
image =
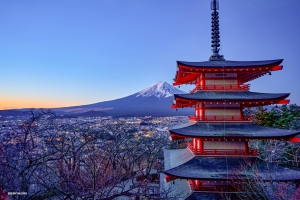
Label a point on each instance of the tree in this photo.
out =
(278, 152)
(285, 116)
(255, 188)
(52, 159)
(23, 155)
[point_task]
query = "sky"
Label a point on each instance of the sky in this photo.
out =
(56, 53)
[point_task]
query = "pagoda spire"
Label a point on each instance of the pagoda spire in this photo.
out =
(215, 43)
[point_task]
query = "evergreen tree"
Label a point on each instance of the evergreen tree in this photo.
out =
(285, 116)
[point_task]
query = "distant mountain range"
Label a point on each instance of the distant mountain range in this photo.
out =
(152, 101)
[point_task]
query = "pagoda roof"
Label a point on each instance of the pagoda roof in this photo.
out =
(209, 96)
(231, 131)
(189, 72)
(232, 168)
(231, 64)
(207, 196)
(232, 96)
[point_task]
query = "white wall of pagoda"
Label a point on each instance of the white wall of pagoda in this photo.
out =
(224, 145)
(176, 189)
(221, 83)
(223, 114)
(218, 81)
(176, 157)
(218, 112)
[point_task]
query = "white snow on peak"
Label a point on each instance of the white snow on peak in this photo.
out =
(160, 89)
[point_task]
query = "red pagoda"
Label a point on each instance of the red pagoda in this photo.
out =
(219, 132)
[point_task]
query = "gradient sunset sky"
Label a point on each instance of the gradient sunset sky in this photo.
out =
(56, 53)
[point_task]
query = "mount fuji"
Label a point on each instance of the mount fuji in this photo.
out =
(159, 89)
(154, 100)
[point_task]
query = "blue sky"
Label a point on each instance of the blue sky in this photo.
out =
(72, 52)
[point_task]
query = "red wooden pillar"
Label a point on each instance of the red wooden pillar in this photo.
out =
(197, 184)
(241, 114)
(246, 147)
(195, 144)
(202, 111)
(203, 80)
(200, 145)
(198, 81)
(198, 111)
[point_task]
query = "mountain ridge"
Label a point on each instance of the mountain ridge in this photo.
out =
(160, 89)
(154, 100)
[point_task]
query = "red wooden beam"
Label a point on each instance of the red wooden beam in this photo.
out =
(170, 178)
(279, 67)
(294, 139)
(177, 137)
(284, 101)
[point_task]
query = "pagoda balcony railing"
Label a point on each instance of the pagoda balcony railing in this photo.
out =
(243, 87)
(220, 118)
(232, 152)
(218, 188)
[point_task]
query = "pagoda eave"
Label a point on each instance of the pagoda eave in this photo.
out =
(248, 98)
(176, 136)
(231, 131)
(184, 103)
(187, 72)
(230, 177)
(231, 64)
(211, 195)
(232, 168)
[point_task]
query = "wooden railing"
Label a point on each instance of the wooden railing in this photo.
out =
(218, 188)
(244, 87)
(250, 152)
(220, 118)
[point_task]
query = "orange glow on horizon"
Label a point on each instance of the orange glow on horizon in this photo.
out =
(15, 103)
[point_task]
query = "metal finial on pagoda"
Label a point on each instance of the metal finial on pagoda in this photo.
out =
(215, 31)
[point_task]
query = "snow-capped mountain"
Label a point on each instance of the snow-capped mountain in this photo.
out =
(155, 100)
(160, 89)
